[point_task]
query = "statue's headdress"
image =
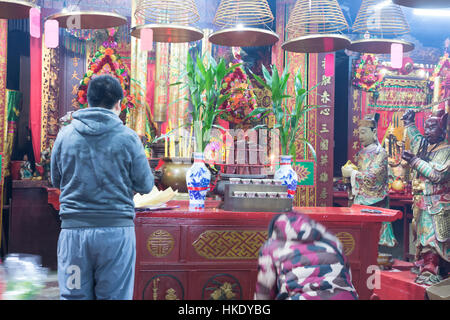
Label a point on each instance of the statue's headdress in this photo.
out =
(370, 121)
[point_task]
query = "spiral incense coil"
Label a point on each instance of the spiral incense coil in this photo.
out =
(316, 17)
(181, 12)
(245, 12)
(380, 17)
(15, 9)
(425, 4)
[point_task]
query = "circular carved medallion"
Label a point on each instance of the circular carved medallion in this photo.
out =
(347, 241)
(160, 243)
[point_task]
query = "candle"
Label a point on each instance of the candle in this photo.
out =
(165, 147)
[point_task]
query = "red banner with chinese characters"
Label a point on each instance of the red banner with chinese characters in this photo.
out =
(324, 129)
(3, 107)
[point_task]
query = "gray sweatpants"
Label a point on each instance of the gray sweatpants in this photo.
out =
(96, 263)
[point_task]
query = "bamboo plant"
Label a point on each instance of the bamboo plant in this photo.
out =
(204, 82)
(287, 120)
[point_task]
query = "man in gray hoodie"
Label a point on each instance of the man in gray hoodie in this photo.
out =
(98, 164)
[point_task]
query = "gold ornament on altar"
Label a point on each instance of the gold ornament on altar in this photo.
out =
(235, 17)
(170, 20)
(315, 26)
(375, 20)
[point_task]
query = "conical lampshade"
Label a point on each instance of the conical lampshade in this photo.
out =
(380, 21)
(315, 26)
(15, 9)
(170, 20)
(239, 20)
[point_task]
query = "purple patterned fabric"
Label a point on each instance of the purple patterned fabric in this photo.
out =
(301, 260)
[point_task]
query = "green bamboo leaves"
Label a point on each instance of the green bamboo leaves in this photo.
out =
(287, 120)
(205, 81)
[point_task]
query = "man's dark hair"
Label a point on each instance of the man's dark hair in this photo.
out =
(104, 92)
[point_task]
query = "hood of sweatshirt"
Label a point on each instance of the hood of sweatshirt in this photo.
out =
(95, 121)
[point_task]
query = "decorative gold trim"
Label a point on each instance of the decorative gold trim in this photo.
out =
(230, 244)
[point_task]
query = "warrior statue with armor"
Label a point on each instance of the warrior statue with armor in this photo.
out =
(430, 160)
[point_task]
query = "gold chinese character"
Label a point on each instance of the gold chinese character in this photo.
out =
(75, 89)
(325, 97)
(75, 75)
(326, 80)
(324, 128)
(324, 145)
(324, 194)
(323, 160)
(355, 119)
(355, 145)
(75, 61)
(325, 111)
(324, 63)
(355, 132)
(323, 177)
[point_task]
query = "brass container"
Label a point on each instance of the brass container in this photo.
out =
(174, 173)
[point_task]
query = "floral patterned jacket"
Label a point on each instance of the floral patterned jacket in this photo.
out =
(302, 260)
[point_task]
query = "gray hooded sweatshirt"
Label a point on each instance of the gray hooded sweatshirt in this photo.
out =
(97, 163)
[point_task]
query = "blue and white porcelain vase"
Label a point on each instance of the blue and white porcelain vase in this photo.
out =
(287, 174)
(198, 178)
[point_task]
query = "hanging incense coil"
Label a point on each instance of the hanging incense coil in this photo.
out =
(15, 9)
(380, 17)
(316, 17)
(315, 26)
(181, 12)
(79, 20)
(170, 20)
(242, 23)
(425, 4)
(245, 12)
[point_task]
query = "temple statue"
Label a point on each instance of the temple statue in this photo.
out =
(369, 183)
(430, 161)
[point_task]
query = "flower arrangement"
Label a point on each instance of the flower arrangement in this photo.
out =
(107, 61)
(366, 76)
(242, 101)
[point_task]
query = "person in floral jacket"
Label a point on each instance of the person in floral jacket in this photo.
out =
(301, 260)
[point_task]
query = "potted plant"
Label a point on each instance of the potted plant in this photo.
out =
(287, 120)
(205, 82)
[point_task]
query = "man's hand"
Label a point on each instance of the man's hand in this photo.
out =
(409, 117)
(408, 156)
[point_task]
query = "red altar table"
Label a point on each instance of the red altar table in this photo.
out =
(398, 200)
(212, 254)
(399, 285)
